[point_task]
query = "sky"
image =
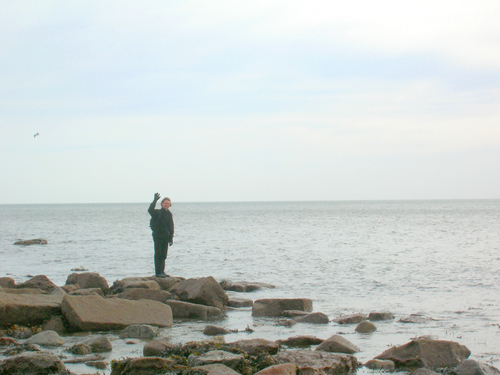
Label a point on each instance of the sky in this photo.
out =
(249, 101)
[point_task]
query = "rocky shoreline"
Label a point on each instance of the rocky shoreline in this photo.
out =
(37, 317)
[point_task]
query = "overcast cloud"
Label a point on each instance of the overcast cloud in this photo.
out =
(249, 101)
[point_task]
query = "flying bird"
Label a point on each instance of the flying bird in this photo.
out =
(36, 135)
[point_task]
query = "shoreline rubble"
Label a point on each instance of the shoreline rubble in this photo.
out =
(35, 314)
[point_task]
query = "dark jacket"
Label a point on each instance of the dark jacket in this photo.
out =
(162, 222)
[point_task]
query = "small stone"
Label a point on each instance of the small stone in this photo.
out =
(338, 344)
(379, 364)
(215, 331)
(46, 338)
(365, 327)
(314, 318)
(350, 319)
(80, 349)
(378, 316)
(140, 331)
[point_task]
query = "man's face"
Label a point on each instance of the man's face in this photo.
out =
(166, 204)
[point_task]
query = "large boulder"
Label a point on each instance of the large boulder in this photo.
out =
(315, 362)
(38, 282)
(428, 353)
(186, 310)
(33, 364)
(338, 344)
(276, 306)
(139, 293)
(87, 280)
(203, 291)
(28, 309)
(94, 313)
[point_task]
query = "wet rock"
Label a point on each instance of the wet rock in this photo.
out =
(203, 291)
(365, 327)
(300, 341)
(239, 302)
(215, 331)
(275, 307)
(244, 286)
(472, 367)
(101, 365)
(46, 338)
(94, 313)
(140, 331)
(294, 313)
(34, 241)
(282, 369)
(286, 322)
(55, 324)
(316, 362)
(7, 282)
(338, 344)
(424, 371)
(256, 346)
(21, 348)
(216, 356)
(186, 310)
(80, 349)
(88, 280)
(426, 353)
(99, 344)
(314, 318)
(382, 365)
(19, 332)
(138, 293)
(350, 319)
(38, 282)
(142, 366)
(158, 348)
(28, 309)
(215, 369)
(378, 316)
(33, 364)
(87, 292)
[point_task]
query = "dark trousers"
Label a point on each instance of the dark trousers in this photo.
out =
(161, 251)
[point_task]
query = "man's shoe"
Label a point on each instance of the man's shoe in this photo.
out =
(161, 275)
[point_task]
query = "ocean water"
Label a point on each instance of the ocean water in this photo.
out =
(439, 259)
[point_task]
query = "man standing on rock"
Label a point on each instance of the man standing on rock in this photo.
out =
(162, 225)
